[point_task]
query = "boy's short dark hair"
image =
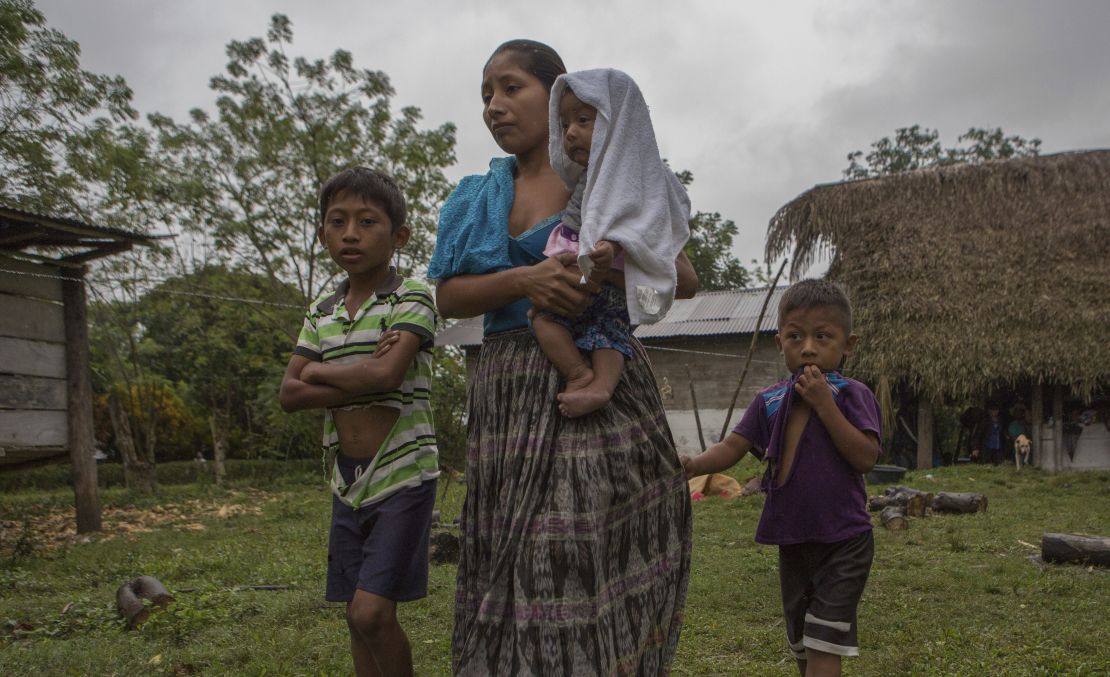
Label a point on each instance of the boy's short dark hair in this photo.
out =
(816, 293)
(369, 184)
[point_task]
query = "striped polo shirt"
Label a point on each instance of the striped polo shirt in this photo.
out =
(408, 456)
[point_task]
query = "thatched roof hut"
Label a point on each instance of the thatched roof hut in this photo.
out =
(969, 278)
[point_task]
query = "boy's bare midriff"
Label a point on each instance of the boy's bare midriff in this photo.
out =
(363, 429)
(795, 425)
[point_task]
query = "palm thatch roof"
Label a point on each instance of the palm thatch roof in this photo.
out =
(967, 278)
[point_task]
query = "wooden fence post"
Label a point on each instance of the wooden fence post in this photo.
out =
(924, 432)
(1037, 405)
(1058, 426)
(79, 409)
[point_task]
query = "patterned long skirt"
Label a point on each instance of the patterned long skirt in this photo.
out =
(576, 532)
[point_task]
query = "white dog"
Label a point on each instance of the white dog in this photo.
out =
(1023, 447)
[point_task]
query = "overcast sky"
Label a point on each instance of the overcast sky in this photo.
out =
(759, 100)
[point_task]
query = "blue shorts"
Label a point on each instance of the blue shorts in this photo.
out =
(604, 324)
(381, 548)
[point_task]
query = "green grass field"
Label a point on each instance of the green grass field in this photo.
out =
(950, 595)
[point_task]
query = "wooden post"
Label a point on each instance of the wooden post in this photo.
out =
(751, 351)
(694, 402)
(924, 433)
(1058, 426)
(79, 408)
(1036, 403)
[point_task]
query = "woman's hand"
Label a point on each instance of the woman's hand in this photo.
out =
(550, 285)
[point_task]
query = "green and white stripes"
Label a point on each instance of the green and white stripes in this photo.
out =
(408, 456)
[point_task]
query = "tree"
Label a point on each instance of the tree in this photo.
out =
(220, 332)
(131, 394)
(916, 147)
(710, 249)
(248, 175)
(48, 106)
(449, 406)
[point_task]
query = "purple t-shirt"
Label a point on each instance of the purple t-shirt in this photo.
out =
(823, 499)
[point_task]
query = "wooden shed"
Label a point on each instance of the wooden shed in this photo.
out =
(45, 390)
(975, 278)
(697, 353)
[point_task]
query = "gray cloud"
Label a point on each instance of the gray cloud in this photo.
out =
(760, 101)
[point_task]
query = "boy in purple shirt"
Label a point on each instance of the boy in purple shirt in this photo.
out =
(819, 433)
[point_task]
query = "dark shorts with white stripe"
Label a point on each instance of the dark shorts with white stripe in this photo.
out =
(821, 587)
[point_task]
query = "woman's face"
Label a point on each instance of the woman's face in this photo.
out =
(514, 105)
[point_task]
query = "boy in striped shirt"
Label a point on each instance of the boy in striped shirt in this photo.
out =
(364, 356)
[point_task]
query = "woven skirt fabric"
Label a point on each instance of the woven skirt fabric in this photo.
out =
(575, 532)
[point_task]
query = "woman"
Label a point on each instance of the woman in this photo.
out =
(576, 532)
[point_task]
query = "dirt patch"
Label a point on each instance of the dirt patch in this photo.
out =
(45, 532)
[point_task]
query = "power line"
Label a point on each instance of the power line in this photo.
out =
(172, 292)
(237, 299)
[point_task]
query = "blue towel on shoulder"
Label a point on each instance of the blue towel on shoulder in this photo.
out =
(473, 235)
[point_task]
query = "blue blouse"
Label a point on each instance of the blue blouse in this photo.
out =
(525, 249)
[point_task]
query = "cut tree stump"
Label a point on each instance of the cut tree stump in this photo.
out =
(963, 502)
(892, 517)
(1075, 548)
(913, 501)
(444, 548)
(130, 596)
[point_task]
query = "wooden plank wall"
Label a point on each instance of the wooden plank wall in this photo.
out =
(32, 362)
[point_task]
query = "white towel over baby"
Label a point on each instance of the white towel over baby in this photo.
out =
(632, 197)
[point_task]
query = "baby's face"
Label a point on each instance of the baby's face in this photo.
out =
(577, 120)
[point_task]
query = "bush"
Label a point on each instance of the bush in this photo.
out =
(260, 473)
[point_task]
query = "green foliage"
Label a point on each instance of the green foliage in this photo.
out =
(449, 406)
(229, 354)
(48, 109)
(248, 174)
(916, 147)
(710, 249)
(156, 409)
(268, 472)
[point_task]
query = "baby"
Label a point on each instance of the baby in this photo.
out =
(627, 220)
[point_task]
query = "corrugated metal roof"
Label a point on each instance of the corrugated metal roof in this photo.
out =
(9, 217)
(467, 332)
(707, 314)
(715, 313)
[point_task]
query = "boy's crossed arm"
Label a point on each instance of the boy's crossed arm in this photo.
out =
(308, 384)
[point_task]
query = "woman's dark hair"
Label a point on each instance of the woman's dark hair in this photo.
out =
(535, 58)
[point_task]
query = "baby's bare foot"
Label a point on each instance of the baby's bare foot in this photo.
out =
(583, 401)
(579, 378)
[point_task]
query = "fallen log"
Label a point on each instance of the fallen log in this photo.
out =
(877, 503)
(913, 501)
(130, 596)
(892, 517)
(959, 502)
(1075, 548)
(916, 502)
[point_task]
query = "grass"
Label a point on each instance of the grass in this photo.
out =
(950, 595)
